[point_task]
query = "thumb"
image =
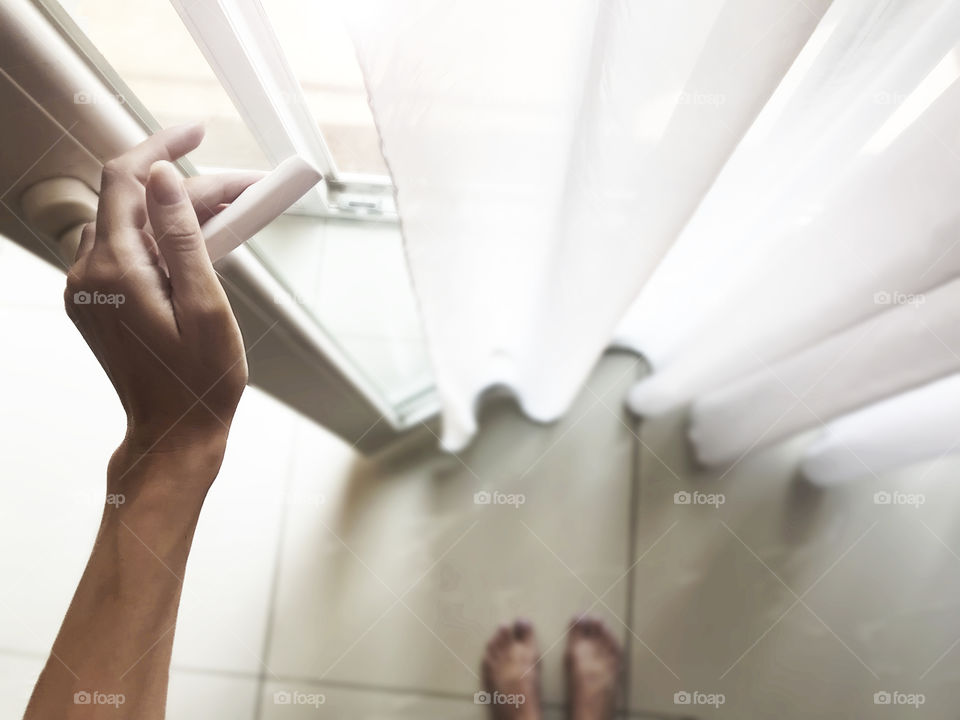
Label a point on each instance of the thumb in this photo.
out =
(178, 236)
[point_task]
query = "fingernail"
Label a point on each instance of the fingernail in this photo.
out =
(165, 183)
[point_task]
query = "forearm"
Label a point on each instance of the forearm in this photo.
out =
(174, 353)
(115, 642)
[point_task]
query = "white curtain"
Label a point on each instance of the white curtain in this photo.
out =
(918, 425)
(758, 195)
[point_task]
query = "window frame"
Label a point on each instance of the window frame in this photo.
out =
(237, 40)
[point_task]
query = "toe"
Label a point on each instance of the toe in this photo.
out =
(523, 630)
(486, 673)
(611, 642)
(498, 640)
(577, 625)
(592, 627)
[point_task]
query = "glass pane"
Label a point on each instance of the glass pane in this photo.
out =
(148, 46)
(352, 276)
(321, 53)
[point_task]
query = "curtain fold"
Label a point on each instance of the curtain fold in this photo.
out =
(546, 155)
(895, 351)
(809, 221)
(914, 426)
(757, 195)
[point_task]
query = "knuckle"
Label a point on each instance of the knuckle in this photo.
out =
(68, 301)
(241, 376)
(73, 293)
(98, 274)
(74, 277)
(116, 173)
(210, 313)
(75, 280)
(116, 167)
(108, 277)
(112, 171)
(180, 236)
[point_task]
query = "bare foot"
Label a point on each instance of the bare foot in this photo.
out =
(593, 670)
(511, 673)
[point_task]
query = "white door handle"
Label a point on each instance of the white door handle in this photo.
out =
(59, 208)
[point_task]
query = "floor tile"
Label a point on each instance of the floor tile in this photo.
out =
(191, 694)
(18, 675)
(392, 574)
(62, 423)
(211, 696)
(286, 701)
(716, 588)
(29, 282)
(229, 580)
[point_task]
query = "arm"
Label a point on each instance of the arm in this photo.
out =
(145, 297)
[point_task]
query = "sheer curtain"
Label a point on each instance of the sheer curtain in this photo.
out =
(757, 195)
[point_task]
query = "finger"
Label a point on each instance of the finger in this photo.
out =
(121, 186)
(168, 144)
(193, 282)
(87, 236)
(209, 193)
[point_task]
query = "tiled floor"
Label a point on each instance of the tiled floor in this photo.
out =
(397, 579)
(790, 601)
(372, 584)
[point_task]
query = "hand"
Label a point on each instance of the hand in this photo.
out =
(144, 295)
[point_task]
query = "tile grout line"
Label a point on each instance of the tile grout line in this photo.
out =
(14, 654)
(275, 575)
(633, 517)
(352, 685)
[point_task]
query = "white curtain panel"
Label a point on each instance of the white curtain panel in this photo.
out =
(751, 193)
(891, 352)
(843, 192)
(903, 429)
(547, 153)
